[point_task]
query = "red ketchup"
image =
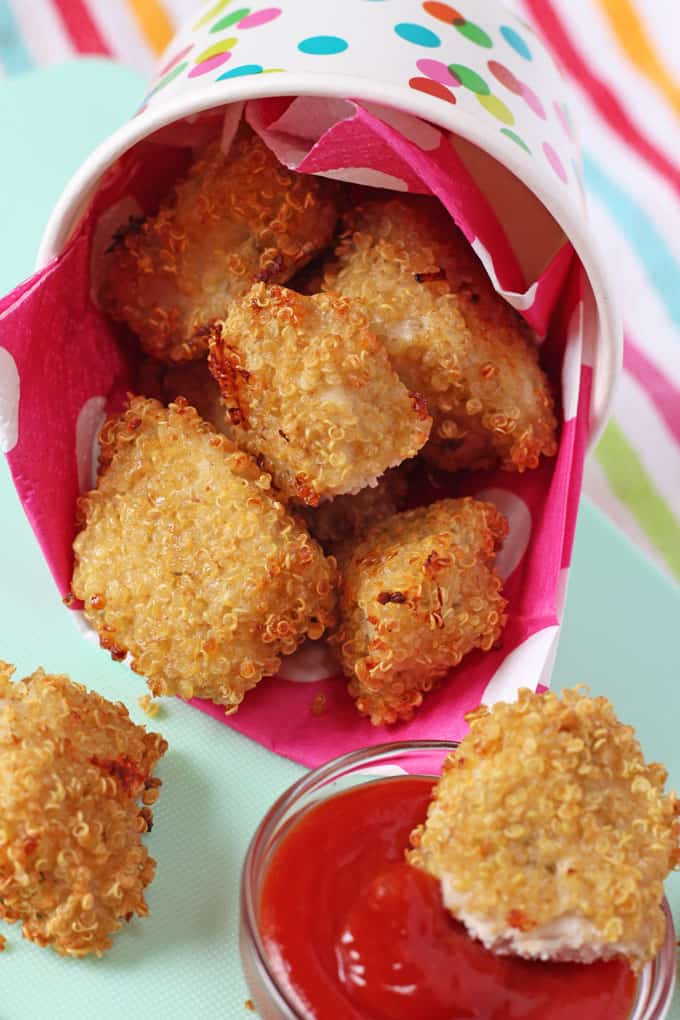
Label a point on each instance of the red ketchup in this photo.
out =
(355, 933)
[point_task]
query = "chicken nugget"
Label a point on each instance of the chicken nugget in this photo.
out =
(549, 833)
(349, 517)
(417, 593)
(311, 393)
(187, 561)
(73, 771)
(448, 334)
(230, 221)
(332, 522)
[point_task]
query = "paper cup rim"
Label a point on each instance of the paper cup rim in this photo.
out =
(77, 193)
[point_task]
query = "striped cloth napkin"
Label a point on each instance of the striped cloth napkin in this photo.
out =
(623, 70)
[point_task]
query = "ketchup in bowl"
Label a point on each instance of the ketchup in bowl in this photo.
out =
(353, 932)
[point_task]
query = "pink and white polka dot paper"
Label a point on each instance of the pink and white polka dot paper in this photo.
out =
(51, 406)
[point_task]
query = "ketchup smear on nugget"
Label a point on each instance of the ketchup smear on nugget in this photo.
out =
(353, 932)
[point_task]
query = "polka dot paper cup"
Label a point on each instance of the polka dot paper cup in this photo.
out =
(471, 68)
(461, 103)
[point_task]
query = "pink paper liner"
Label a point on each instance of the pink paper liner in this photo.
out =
(72, 367)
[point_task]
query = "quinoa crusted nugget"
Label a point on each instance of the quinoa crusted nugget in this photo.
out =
(187, 561)
(311, 393)
(417, 594)
(230, 221)
(549, 833)
(73, 770)
(448, 334)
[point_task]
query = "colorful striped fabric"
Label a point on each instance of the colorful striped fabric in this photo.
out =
(620, 59)
(624, 73)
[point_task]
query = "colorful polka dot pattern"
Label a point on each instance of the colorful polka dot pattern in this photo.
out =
(213, 57)
(497, 108)
(432, 88)
(322, 45)
(555, 161)
(518, 43)
(230, 19)
(469, 79)
(434, 31)
(439, 78)
(211, 13)
(417, 34)
(180, 55)
(258, 18)
(443, 12)
(242, 71)
(450, 16)
(563, 117)
(439, 72)
(175, 69)
(516, 138)
(505, 76)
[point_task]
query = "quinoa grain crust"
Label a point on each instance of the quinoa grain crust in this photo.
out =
(76, 789)
(310, 392)
(547, 814)
(449, 335)
(186, 560)
(230, 221)
(417, 593)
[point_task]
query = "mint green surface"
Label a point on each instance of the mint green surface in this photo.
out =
(620, 635)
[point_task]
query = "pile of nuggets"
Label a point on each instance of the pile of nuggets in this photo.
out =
(253, 495)
(302, 344)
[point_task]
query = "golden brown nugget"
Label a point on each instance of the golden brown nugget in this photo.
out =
(230, 221)
(76, 786)
(549, 833)
(310, 392)
(186, 560)
(448, 334)
(417, 594)
(332, 522)
(349, 517)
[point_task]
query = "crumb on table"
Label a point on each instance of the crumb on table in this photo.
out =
(148, 705)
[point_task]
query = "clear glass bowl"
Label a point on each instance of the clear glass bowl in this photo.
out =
(421, 757)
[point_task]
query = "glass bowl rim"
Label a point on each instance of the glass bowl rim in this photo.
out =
(654, 996)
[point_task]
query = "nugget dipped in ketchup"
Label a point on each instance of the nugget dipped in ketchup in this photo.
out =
(523, 884)
(550, 835)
